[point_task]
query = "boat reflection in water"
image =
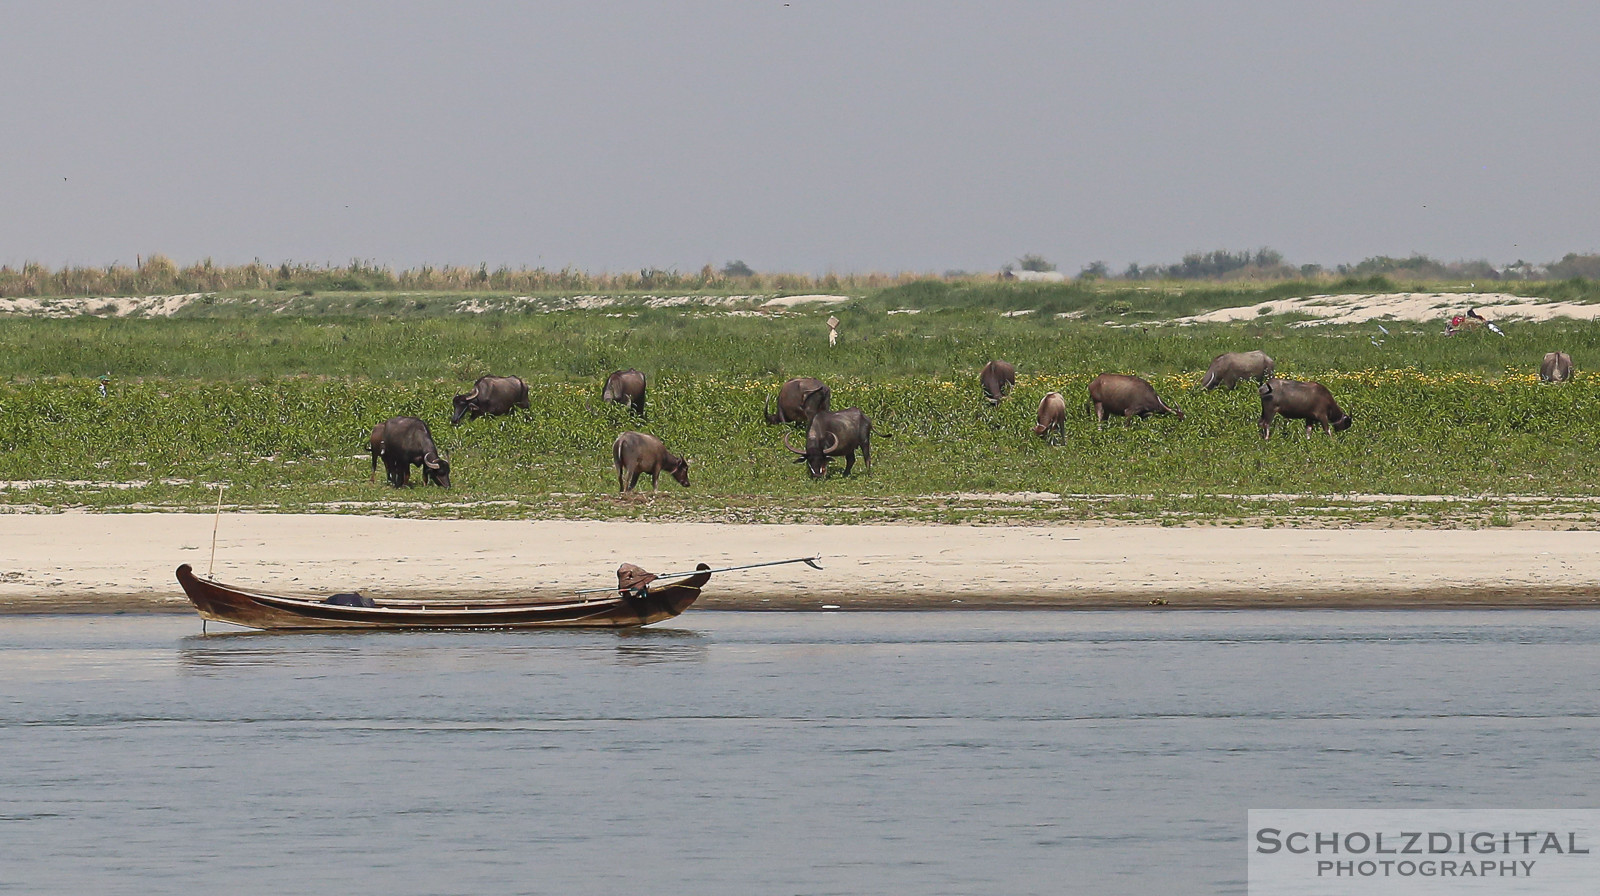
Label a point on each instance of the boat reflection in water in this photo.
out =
(237, 649)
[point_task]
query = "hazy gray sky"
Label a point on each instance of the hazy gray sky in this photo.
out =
(800, 136)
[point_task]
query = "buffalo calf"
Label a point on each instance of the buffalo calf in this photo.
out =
(1052, 416)
(637, 453)
(1311, 402)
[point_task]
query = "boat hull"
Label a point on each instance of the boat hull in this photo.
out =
(218, 602)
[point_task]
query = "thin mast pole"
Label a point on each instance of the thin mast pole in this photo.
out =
(217, 524)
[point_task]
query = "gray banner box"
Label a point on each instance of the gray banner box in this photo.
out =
(1423, 852)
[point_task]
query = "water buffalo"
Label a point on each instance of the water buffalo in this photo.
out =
(636, 453)
(799, 400)
(491, 395)
(403, 441)
(997, 378)
(625, 387)
(1311, 402)
(1228, 369)
(1052, 416)
(1129, 396)
(1557, 367)
(832, 434)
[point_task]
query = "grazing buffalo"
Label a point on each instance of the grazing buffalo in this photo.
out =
(835, 434)
(625, 387)
(1228, 369)
(1127, 396)
(1557, 367)
(637, 453)
(798, 401)
(402, 442)
(1052, 416)
(997, 378)
(491, 395)
(1311, 402)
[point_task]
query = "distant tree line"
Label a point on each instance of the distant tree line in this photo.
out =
(1268, 264)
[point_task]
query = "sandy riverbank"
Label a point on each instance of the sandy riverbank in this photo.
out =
(79, 562)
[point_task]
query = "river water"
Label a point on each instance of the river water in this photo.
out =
(764, 753)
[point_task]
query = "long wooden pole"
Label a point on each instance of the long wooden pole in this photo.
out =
(812, 562)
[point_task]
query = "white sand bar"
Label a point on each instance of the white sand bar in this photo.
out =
(85, 561)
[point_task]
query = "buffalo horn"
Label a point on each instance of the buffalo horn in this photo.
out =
(833, 444)
(474, 393)
(791, 447)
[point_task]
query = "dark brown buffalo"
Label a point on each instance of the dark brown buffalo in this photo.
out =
(1228, 369)
(637, 453)
(402, 442)
(799, 400)
(1126, 396)
(835, 434)
(1311, 402)
(491, 395)
(625, 387)
(1557, 367)
(997, 378)
(1052, 416)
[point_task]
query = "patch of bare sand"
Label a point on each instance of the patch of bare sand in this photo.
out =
(103, 306)
(1413, 306)
(95, 562)
(791, 301)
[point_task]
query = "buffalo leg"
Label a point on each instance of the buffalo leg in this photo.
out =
(655, 477)
(633, 479)
(849, 461)
(622, 479)
(866, 456)
(1266, 423)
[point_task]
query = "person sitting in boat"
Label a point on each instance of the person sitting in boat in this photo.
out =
(633, 581)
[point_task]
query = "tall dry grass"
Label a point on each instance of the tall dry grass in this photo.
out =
(159, 275)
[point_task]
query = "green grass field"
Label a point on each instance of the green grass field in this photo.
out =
(278, 408)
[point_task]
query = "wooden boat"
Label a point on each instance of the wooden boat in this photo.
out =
(622, 608)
